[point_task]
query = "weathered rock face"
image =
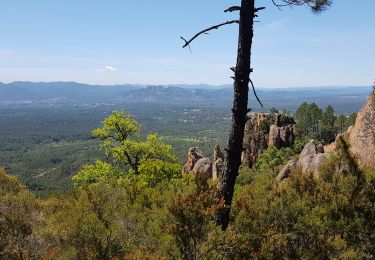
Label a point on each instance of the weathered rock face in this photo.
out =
(280, 136)
(310, 160)
(255, 139)
(203, 168)
(262, 131)
(194, 154)
(286, 171)
(218, 163)
(362, 135)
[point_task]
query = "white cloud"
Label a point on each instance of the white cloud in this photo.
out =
(107, 69)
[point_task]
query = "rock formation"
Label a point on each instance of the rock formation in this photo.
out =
(362, 135)
(218, 163)
(194, 154)
(263, 130)
(203, 168)
(309, 161)
(286, 171)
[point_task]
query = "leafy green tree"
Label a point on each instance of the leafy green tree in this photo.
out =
(96, 173)
(134, 152)
(117, 128)
(152, 160)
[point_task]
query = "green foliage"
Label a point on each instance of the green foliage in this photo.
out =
(117, 128)
(322, 126)
(286, 119)
(265, 125)
(272, 158)
(95, 173)
(160, 214)
(18, 220)
(305, 217)
(151, 161)
(308, 116)
(121, 144)
(192, 216)
(154, 172)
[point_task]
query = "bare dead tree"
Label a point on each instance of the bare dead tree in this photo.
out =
(247, 14)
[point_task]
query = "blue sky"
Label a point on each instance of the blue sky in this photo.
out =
(138, 41)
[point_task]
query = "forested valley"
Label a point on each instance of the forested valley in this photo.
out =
(135, 202)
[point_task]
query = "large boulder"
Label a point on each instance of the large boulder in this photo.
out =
(308, 149)
(362, 135)
(194, 155)
(203, 168)
(287, 170)
(312, 163)
(309, 161)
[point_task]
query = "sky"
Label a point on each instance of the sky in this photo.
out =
(138, 42)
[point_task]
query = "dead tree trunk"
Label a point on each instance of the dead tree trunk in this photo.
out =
(242, 79)
(239, 111)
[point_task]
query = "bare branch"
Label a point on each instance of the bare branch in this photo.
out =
(215, 27)
(187, 43)
(233, 9)
(255, 93)
(279, 5)
(259, 9)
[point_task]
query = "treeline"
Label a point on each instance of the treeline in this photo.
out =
(138, 205)
(323, 125)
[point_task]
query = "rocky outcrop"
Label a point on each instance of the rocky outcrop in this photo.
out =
(309, 161)
(194, 155)
(362, 135)
(280, 136)
(199, 165)
(218, 163)
(287, 170)
(203, 168)
(263, 130)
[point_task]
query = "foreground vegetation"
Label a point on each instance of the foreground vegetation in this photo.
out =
(149, 210)
(303, 217)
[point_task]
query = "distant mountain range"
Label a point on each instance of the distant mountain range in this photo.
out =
(72, 92)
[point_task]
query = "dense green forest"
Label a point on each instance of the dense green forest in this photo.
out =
(136, 204)
(46, 146)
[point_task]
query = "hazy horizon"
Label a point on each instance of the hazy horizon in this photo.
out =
(187, 85)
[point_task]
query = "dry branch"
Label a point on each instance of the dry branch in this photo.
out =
(255, 93)
(215, 27)
(232, 9)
